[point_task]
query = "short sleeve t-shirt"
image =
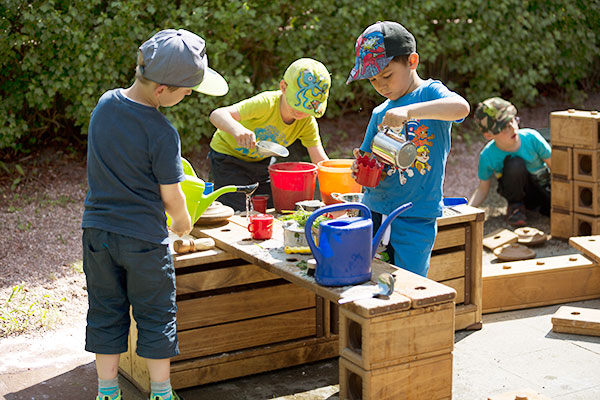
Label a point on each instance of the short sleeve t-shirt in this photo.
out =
(261, 114)
(421, 183)
(132, 150)
(533, 150)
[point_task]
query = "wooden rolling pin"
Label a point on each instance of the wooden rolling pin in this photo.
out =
(190, 245)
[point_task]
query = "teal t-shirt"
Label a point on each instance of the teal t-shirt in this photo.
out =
(534, 150)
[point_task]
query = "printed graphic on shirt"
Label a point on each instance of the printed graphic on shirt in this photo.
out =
(267, 133)
(419, 135)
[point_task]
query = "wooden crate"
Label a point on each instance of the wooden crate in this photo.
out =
(226, 328)
(586, 197)
(586, 165)
(562, 162)
(539, 282)
(588, 245)
(430, 379)
(562, 193)
(456, 261)
(561, 223)
(574, 128)
(576, 320)
(585, 225)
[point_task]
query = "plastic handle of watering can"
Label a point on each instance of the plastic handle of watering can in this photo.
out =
(335, 207)
(390, 218)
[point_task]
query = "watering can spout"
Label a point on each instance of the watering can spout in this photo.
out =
(387, 222)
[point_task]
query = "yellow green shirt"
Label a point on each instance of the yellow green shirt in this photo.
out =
(261, 114)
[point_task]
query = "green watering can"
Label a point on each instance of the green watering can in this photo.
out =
(195, 200)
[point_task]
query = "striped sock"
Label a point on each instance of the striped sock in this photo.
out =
(108, 387)
(162, 389)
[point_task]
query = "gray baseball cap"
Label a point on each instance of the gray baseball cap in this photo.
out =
(178, 58)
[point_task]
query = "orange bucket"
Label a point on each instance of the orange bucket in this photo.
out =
(335, 177)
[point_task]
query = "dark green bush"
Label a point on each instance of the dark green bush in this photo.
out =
(58, 57)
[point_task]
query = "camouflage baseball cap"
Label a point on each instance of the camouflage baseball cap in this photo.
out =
(493, 114)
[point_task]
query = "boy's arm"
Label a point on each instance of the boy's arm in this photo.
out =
(547, 161)
(480, 193)
(174, 201)
(228, 120)
(451, 108)
(317, 153)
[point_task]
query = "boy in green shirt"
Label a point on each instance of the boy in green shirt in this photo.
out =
(279, 116)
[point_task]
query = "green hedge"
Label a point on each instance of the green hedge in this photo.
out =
(58, 57)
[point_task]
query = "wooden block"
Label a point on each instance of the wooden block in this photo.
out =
(396, 338)
(214, 309)
(562, 162)
(561, 223)
(588, 245)
(447, 265)
(585, 225)
(574, 128)
(522, 394)
(429, 379)
(449, 237)
(539, 282)
(577, 320)
(586, 165)
(420, 290)
(562, 194)
(499, 238)
(457, 284)
(245, 334)
(586, 197)
(201, 257)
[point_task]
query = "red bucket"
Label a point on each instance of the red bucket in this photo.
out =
(292, 182)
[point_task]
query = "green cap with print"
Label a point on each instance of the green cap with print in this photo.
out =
(493, 114)
(308, 83)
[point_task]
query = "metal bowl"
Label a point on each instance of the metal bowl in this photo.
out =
(348, 197)
(266, 149)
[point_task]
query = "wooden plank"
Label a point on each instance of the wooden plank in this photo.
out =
(474, 272)
(430, 379)
(500, 237)
(239, 305)
(575, 128)
(444, 266)
(393, 339)
(224, 366)
(459, 214)
(577, 320)
(457, 284)
(538, 282)
(466, 316)
(562, 162)
(562, 193)
(449, 237)
(219, 278)
(244, 334)
(588, 245)
(201, 257)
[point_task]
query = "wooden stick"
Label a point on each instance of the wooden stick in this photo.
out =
(188, 245)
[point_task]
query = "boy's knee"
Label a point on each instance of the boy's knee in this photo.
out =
(513, 165)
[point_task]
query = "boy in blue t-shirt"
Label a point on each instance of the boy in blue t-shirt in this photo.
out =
(134, 171)
(386, 56)
(520, 159)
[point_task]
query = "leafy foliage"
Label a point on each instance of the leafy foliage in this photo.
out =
(59, 56)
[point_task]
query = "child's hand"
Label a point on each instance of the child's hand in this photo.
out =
(395, 117)
(181, 227)
(354, 166)
(245, 138)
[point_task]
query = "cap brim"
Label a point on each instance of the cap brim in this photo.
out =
(213, 84)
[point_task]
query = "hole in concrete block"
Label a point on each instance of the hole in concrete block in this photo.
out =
(585, 197)
(585, 164)
(354, 386)
(355, 336)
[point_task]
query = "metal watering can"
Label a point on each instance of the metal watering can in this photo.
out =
(196, 201)
(346, 245)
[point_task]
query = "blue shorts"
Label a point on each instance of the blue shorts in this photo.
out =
(412, 241)
(121, 271)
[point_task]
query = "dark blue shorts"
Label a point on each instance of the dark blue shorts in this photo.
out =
(122, 271)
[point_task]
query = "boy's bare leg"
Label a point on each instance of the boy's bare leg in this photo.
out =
(107, 366)
(160, 370)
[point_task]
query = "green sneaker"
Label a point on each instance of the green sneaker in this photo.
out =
(106, 397)
(174, 396)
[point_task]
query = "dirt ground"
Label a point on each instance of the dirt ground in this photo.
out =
(40, 217)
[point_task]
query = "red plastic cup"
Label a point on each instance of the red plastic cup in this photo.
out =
(261, 226)
(259, 203)
(369, 171)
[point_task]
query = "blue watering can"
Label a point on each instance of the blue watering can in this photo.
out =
(346, 245)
